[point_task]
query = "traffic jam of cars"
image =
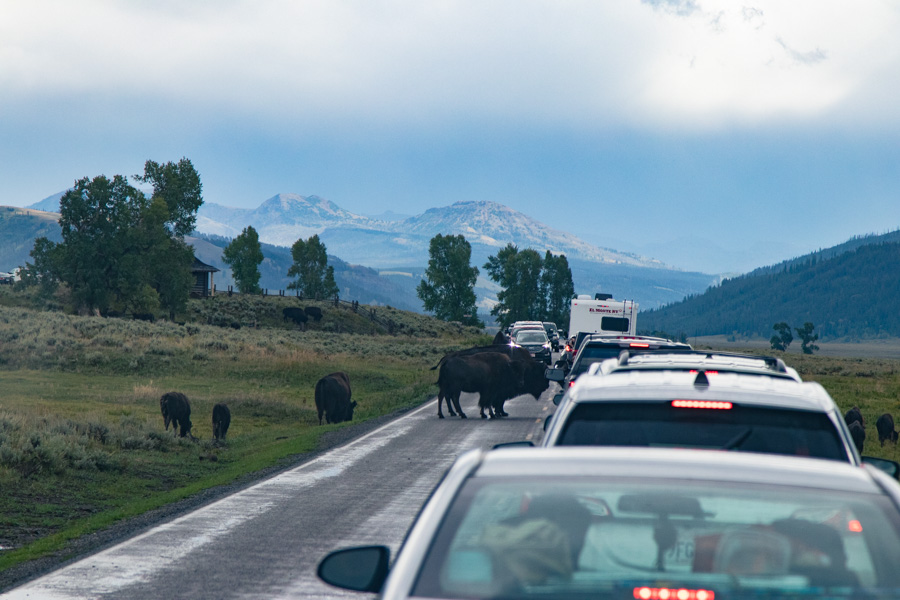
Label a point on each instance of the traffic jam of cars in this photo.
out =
(664, 473)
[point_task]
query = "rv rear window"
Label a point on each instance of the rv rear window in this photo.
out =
(614, 324)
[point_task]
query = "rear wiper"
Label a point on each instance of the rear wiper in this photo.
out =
(737, 441)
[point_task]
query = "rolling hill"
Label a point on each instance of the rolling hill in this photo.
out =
(848, 292)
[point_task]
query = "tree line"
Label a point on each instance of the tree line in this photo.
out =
(123, 251)
(534, 288)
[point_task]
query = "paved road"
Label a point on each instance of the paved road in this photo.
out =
(265, 541)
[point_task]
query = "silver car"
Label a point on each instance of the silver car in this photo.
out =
(641, 523)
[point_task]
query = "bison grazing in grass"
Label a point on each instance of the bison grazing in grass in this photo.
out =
(295, 314)
(333, 398)
(885, 427)
(314, 312)
(858, 433)
(221, 419)
(854, 414)
(176, 409)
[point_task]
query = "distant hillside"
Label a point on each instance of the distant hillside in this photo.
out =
(852, 295)
(18, 229)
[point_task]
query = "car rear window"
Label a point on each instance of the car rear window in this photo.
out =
(579, 538)
(742, 428)
(591, 354)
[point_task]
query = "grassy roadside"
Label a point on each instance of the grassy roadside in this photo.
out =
(82, 443)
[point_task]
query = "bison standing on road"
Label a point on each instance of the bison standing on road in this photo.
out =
(333, 398)
(176, 409)
(221, 420)
(885, 427)
(295, 314)
(501, 339)
(315, 312)
(493, 376)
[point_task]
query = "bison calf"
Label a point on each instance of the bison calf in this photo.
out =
(333, 398)
(221, 419)
(176, 409)
(885, 427)
(858, 433)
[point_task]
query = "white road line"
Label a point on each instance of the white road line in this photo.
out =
(139, 558)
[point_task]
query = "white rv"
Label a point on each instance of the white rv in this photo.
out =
(602, 314)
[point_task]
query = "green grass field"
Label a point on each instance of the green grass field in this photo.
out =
(82, 443)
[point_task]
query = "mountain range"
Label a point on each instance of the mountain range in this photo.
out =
(398, 246)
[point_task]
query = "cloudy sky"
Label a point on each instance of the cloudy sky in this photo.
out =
(715, 135)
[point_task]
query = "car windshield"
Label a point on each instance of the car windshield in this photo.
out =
(531, 337)
(610, 538)
(742, 428)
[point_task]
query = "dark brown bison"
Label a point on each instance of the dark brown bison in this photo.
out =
(333, 398)
(295, 314)
(176, 409)
(314, 312)
(885, 427)
(501, 339)
(854, 414)
(221, 420)
(493, 376)
(858, 433)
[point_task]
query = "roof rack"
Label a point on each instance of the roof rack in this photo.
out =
(772, 363)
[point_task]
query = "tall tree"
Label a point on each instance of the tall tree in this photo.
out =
(244, 255)
(120, 250)
(179, 185)
(448, 289)
(783, 338)
(315, 278)
(807, 338)
(557, 288)
(518, 273)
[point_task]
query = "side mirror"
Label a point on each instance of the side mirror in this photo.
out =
(362, 569)
(890, 467)
(555, 374)
(557, 398)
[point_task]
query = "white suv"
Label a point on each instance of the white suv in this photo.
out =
(704, 408)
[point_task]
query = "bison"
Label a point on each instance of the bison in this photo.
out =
(501, 339)
(493, 376)
(221, 420)
(854, 414)
(176, 409)
(315, 312)
(885, 427)
(295, 314)
(858, 433)
(333, 398)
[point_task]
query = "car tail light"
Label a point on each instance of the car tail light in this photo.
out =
(854, 526)
(636, 345)
(694, 371)
(571, 383)
(651, 593)
(704, 404)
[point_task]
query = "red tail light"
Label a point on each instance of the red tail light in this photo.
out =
(649, 593)
(705, 404)
(695, 371)
(636, 345)
(571, 383)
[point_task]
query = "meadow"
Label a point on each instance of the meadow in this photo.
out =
(82, 443)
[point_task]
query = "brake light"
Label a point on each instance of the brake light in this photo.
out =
(636, 345)
(705, 404)
(694, 371)
(854, 526)
(649, 593)
(571, 383)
